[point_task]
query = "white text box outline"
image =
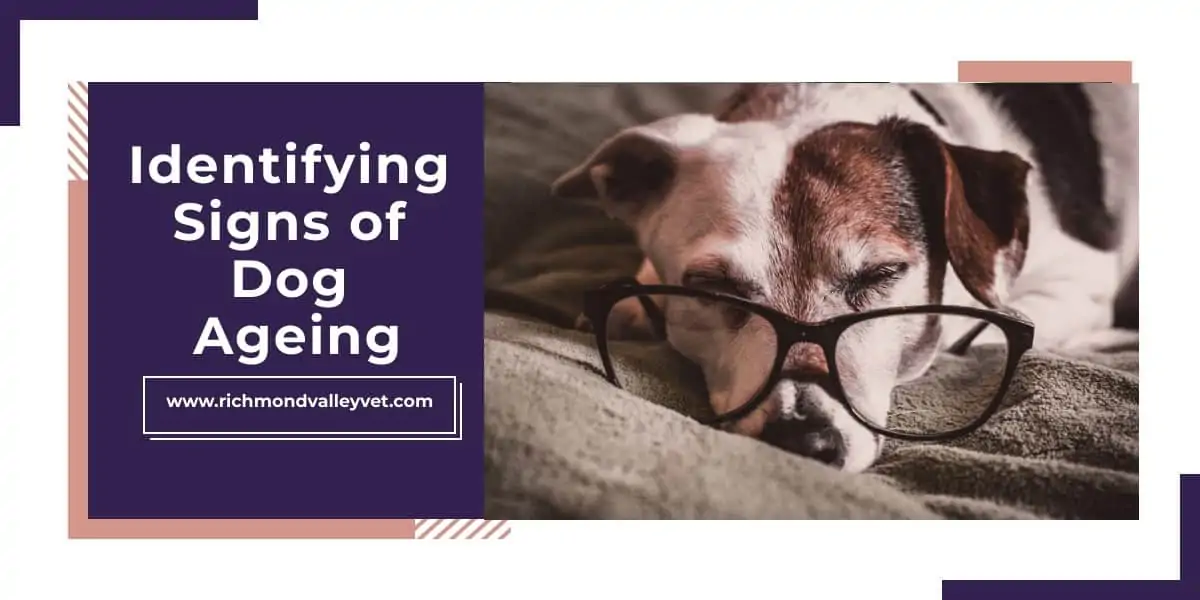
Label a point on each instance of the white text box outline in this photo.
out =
(328, 439)
(455, 403)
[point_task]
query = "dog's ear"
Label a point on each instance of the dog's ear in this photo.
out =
(975, 206)
(633, 170)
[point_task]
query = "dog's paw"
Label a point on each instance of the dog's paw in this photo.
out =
(626, 321)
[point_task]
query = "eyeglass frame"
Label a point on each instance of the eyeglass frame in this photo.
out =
(1018, 331)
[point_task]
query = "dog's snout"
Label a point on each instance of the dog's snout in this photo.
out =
(811, 436)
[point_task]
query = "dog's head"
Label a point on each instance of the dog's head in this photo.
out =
(845, 218)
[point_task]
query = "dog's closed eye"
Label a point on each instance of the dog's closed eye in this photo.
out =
(722, 285)
(716, 277)
(866, 285)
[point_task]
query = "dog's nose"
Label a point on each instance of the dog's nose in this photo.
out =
(813, 436)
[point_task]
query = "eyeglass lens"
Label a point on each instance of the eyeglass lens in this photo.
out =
(875, 360)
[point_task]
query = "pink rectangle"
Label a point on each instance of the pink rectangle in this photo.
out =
(979, 71)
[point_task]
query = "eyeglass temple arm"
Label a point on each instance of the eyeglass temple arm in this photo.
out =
(653, 312)
(963, 343)
(960, 347)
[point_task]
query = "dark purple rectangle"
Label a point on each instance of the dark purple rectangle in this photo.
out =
(12, 12)
(296, 406)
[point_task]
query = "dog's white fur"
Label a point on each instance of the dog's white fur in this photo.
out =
(1065, 286)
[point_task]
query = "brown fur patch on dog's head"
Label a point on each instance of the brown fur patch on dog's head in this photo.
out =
(844, 184)
(898, 183)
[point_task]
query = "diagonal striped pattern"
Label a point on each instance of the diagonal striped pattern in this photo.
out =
(461, 529)
(77, 131)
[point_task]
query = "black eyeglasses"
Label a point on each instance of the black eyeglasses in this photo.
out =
(953, 399)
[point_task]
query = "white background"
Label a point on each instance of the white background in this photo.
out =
(615, 40)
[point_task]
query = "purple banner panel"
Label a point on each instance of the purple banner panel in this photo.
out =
(285, 261)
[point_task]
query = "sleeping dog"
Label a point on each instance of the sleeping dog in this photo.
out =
(993, 195)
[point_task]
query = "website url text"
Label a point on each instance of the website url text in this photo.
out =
(328, 401)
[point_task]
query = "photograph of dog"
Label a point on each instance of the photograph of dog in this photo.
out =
(805, 246)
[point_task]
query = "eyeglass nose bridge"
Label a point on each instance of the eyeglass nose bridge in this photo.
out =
(811, 364)
(803, 333)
